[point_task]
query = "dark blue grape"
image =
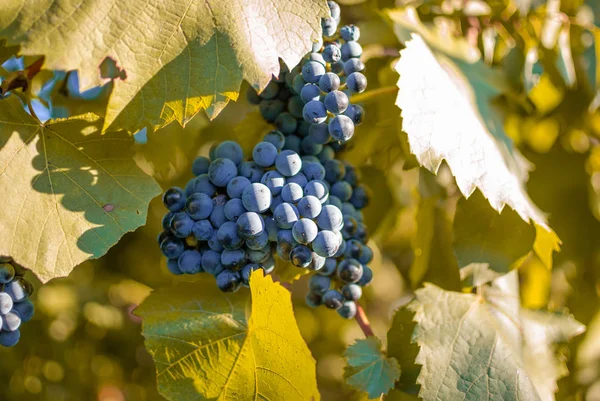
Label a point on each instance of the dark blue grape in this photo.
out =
(292, 193)
(366, 256)
(190, 262)
(259, 256)
(276, 138)
(350, 32)
(200, 165)
(288, 163)
(233, 258)
(334, 8)
(341, 128)
(299, 179)
(234, 208)
(199, 206)
(246, 272)
(329, 268)
(217, 217)
(228, 235)
(336, 102)
(250, 224)
(301, 256)
(305, 230)
(181, 225)
(338, 66)
(312, 71)
(202, 230)
(335, 201)
(11, 321)
(270, 109)
(173, 267)
(200, 184)
(330, 218)
(313, 299)
(356, 82)
(361, 233)
(230, 150)
(258, 242)
(351, 49)
(310, 207)
(333, 299)
(174, 199)
(327, 153)
(313, 171)
(221, 171)
(257, 197)
(298, 84)
(229, 281)
(326, 244)
(7, 273)
(309, 147)
(211, 261)
(292, 142)
(6, 303)
(334, 170)
(214, 242)
(329, 26)
(355, 113)
(352, 292)
(350, 224)
(349, 270)
(286, 123)
(286, 215)
(318, 189)
(317, 262)
(353, 65)
(319, 284)
(332, 53)
(314, 112)
(283, 253)
(367, 276)
(236, 186)
(348, 310)
(264, 154)
(270, 91)
(342, 190)
(271, 228)
(329, 82)
(354, 249)
(276, 201)
(274, 181)
(166, 221)
(319, 134)
(25, 309)
(310, 92)
(19, 289)
(295, 105)
(360, 197)
(251, 171)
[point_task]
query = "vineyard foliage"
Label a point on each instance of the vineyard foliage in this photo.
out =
(479, 147)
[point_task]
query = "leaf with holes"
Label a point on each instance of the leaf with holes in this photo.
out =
(208, 345)
(478, 347)
(69, 193)
(369, 369)
(177, 57)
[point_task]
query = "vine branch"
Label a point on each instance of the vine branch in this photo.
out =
(363, 321)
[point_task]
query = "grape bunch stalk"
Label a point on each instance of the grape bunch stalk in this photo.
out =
(291, 198)
(15, 305)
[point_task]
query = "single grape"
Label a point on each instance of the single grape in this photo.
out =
(312, 71)
(190, 262)
(319, 134)
(361, 233)
(7, 273)
(333, 299)
(301, 256)
(332, 53)
(264, 154)
(327, 153)
(229, 281)
(338, 66)
(310, 207)
(172, 247)
(349, 270)
(221, 171)
(9, 338)
(286, 215)
(350, 224)
(181, 225)
(313, 299)
(319, 284)
(295, 106)
(214, 243)
(166, 221)
(353, 65)
(348, 310)
(276, 138)
(342, 249)
(256, 197)
(174, 199)
(211, 261)
(288, 163)
(251, 171)
(350, 32)
(230, 150)
(310, 92)
(6, 303)
(202, 230)
(287, 123)
(330, 218)
(200, 184)
(317, 45)
(334, 170)
(314, 112)
(355, 113)
(313, 171)
(366, 277)
(270, 91)
(318, 189)
(341, 128)
(351, 49)
(298, 84)
(329, 82)
(336, 102)
(283, 253)
(276, 201)
(292, 142)
(228, 235)
(217, 217)
(335, 201)
(11, 321)
(356, 82)
(317, 262)
(329, 267)
(326, 244)
(259, 256)
(299, 179)
(329, 26)
(342, 190)
(366, 255)
(352, 292)
(200, 165)
(334, 8)
(249, 225)
(270, 109)
(274, 181)
(271, 228)
(258, 242)
(246, 272)
(292, 193)
(285, 239)
(360, 197)
(236, 186)
(354, 249)
(233, 259)
(269, 265)
(199, 206)
(305, 230)
(309, 147)
(25, 309)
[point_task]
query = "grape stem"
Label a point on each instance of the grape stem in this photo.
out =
(363, 321)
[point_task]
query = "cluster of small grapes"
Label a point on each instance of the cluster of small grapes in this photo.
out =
(310, 104)
(15, 306)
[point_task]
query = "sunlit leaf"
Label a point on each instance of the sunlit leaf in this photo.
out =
(242, 346)
(178, 57)
(69, 193)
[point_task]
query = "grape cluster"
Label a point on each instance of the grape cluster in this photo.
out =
(15, 306)
(311, 103)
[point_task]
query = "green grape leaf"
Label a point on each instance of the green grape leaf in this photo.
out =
(369, 369)
(70, 193)
(484, 236)
(446, 94)
(208, 345)
(176, 58)
(482, 347)
(401, 346)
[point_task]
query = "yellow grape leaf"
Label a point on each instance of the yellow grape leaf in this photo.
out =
(208, 345)
(69, 193)
(177, 57)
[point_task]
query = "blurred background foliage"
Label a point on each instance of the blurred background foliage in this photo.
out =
(84, 342)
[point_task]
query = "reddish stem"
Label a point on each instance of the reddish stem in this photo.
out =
(363, 321)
